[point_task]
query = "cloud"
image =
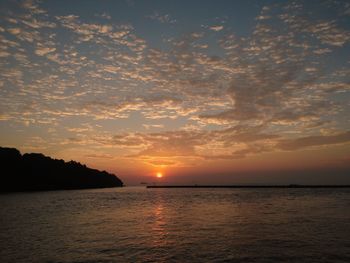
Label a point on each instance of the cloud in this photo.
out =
(216, 28)
(104, 15)
(34, 23)
(231, 143)
(32, 6)
(42, 51)
(261, 17)
(14, 30)
(158, 162)
(4, 54)
(165, 18)
(312, 141)
(151, 126)
(99, 156)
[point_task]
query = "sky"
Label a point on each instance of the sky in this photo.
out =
(218, 92)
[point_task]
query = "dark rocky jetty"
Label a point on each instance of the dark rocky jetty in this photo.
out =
(37, 172)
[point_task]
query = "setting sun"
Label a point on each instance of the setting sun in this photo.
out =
(159, 175)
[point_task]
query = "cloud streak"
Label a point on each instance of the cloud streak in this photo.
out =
(312, 141)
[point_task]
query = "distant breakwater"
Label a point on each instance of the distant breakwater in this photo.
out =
(248, 186)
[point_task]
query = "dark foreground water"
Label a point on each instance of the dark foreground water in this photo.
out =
(176, 225)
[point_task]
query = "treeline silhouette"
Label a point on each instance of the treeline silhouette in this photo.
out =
(36, 172)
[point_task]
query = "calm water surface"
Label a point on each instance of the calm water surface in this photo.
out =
(135, 224)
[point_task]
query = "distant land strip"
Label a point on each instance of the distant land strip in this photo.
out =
(248, 186)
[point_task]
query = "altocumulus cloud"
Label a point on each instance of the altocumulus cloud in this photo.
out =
(226, 98)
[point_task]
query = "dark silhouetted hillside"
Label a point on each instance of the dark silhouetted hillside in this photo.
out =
(35, 171)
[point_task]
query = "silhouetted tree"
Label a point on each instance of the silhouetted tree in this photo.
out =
(35, 171)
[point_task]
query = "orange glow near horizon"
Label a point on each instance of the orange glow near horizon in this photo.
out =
(159, 175)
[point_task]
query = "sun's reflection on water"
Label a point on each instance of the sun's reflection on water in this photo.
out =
(159, 225)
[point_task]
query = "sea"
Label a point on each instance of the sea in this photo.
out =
(136, 224)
